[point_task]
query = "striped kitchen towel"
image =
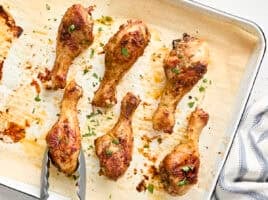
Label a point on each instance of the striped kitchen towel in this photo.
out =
(245, 175)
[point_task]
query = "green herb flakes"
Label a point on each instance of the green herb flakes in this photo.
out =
(191, 104)
(71, 28)
(85, 71)
(90, 132)
(37, 98)
(146, 146)
(106, 20)
(92, 114)
(115, 141)
(150, 188)
(108, 152)
(124, 51)
(47, 7)
(95, 75)
(175, 70)
(202, 89)
(92, 53)
(182, 182)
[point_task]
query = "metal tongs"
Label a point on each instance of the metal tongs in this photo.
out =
(81, 181)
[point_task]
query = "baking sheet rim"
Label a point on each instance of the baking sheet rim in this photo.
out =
(259, 58)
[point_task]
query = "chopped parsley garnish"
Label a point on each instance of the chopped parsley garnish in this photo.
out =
(92, 53)
(90, 132)
(175, 70)
(191, 104)
(202, 89)
(115, 141)
(150, 188)
(146, 146)
(100, 29)
(101, 44)
(90, 147)
(187, 168)
(37, 98)
(47, 7)
(85, 71)
(92, 114)
(159, 140)
(124, 52)
(109, 118)
(106, 20)
(205, 80)
(95, 75)
(182, 182)
(108, 152)
(71, 28)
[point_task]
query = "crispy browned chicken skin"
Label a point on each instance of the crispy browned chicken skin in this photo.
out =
(121, 52)
(9, 31)
(184, 67)
(75, 34)
(114, 149)
(64, 140)
(179, 169)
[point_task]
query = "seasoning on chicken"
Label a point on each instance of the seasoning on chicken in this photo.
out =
(64, 140)
(121, 52)
(8, 32)
(179, 169)
(185, 65)
(75, 35)
(114, 149)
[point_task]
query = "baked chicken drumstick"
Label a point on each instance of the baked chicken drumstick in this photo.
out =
(184, 67)
(121, 52)
(64, 140)
(179, 169)
(75, 34)
(114, 149)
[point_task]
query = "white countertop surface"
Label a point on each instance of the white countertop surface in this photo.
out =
(255, 10)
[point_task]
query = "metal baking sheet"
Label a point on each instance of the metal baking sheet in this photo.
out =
(236, 47)
(247, 84)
